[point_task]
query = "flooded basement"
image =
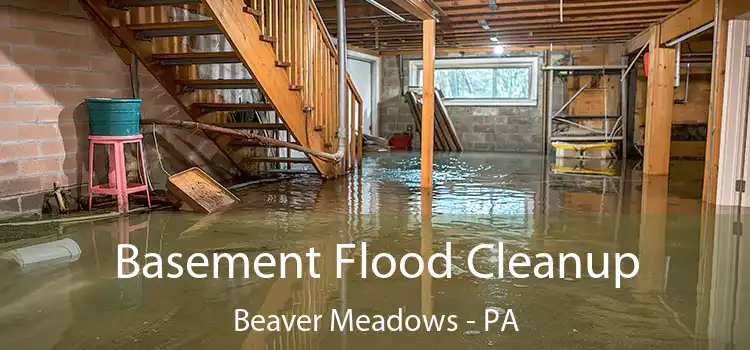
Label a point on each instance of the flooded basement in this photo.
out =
(692, 290)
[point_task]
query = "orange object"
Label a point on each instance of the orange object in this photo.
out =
(646, 57)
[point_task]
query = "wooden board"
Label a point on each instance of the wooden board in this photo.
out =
(195, 189)
(444, 119)
(446, 139)
(416, 111)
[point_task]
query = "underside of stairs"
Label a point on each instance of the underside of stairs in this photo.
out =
(266, 66)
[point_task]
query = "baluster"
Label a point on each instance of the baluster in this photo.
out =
(262, 17)
(350, 154)
(324, 94)
(360, 136)
(271, 20)
(276, 27)
(297, 39)
(352, 127)
(332, 92)
(288, 42)
(317, 80)
(282, 37)
(292, 43)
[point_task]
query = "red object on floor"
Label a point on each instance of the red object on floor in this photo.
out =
(118, 183)
(646, 58)
(400, 142)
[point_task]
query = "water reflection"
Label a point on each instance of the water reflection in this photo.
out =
(692, 290)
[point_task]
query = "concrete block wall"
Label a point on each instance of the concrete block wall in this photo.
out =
(51, 59)
(481, 128)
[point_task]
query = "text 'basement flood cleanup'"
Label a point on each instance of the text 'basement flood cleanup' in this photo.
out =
(382, 265)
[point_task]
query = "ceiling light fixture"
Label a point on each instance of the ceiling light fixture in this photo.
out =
(499, 49)
(494, 39)
(484, 24)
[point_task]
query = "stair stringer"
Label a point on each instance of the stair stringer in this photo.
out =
(119, 37)
(244, 33)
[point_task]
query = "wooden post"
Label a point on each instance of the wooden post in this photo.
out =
(426, 252)
(716, 109)
(428, 99)
(659, 104)
(652, 238)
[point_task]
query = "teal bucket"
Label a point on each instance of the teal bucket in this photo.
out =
(114, 116)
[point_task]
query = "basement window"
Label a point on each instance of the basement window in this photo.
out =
(497, 81)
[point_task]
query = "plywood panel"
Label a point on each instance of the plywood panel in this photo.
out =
(697, 108)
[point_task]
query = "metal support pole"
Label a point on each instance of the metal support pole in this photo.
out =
(341, 38)
(134, 82)
(550, 100)
(624, 114)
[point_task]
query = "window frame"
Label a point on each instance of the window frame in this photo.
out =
(530, 62)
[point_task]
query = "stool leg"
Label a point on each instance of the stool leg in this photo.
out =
(112, 176)
(143, 168)
(121, 176)
(91, 172)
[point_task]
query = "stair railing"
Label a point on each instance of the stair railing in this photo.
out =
(303, 44)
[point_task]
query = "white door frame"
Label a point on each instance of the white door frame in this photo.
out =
(375, 84)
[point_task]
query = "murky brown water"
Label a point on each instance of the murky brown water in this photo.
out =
(693, 289)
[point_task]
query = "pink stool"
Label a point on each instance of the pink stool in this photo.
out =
(118, 183)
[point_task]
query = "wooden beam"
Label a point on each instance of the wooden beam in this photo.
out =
(659, 105)
(733, 8)
(590, 8)
(685, 19)
(688, 18)
(716, 106)
(520, 4)
(428, 100)
(418, 8)
(634, 45)
(362, 50)
(482, 49)
(528, 27)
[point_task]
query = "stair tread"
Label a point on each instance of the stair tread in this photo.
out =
(182, 28)
(218, 83)
(234, 106)
(146, 3)
(186, 58)
(279, 159)
(275, 126)
(170, 25)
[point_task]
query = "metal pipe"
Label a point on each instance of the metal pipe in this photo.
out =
(690, 34)
(687, 83)
(389, 12)
(437, 7)
(677, 65)
(343, 87)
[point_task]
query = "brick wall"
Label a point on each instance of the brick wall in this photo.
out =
(51, 59)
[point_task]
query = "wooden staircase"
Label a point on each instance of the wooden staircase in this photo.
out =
(289, 79)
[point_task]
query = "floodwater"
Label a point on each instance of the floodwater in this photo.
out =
(692, 290)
